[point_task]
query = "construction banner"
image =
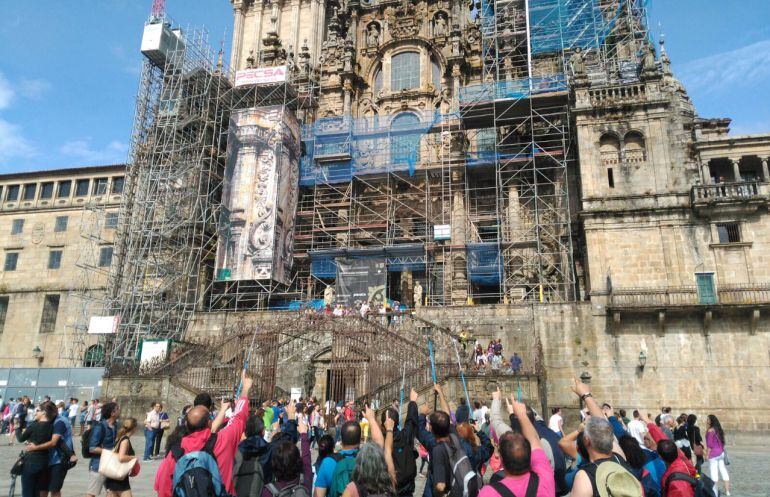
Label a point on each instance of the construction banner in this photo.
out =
(360, 280)
(260, 195)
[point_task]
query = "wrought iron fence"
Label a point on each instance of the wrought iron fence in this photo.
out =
(688, 296)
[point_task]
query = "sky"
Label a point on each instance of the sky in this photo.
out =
(69, 70)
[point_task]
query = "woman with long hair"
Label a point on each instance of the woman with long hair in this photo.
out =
(480, 445)
(34, 476)
(682, 435)
(696, 441)
(715, 453)
(122, 488)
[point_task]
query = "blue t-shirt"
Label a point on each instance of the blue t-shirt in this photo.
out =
(326, 471)
(63, 428)
(104, 437)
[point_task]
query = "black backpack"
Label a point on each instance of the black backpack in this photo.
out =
(503, 491)
(85, 441)
(703, 486)
(405, 463)
(248, 477)
(296, 490)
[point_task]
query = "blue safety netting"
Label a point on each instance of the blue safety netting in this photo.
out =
(338, 148)
(323, 266)
(484, 263)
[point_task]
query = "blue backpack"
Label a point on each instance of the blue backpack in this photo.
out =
(196, 473)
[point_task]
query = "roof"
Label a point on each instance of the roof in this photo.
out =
(68, 171)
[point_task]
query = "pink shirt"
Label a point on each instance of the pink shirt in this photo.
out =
(518, 484)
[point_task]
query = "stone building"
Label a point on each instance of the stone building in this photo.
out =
(47, 221)
(541, 174)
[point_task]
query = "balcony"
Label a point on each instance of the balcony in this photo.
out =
(743, 196)
(687, 299)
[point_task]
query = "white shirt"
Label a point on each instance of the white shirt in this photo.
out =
(637, 429)
(73, 410)
(555, 423)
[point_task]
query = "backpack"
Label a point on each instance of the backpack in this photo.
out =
(532, 486)
(85, 441)
(405, 463)
(342, 471)
(612, 478)
(296, 490)
(466, 480)
(703, 486)
(248, 477)
(196, 473)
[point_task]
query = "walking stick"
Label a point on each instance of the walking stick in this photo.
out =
(462, 374)
(433, 371)
(401, 400)
(246, 365)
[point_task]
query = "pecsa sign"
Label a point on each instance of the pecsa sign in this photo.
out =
(260, 76)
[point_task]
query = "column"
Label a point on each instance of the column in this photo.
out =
(706, 173)
(258, 29)
(456, 87)
(295, 6)
(310, 39)
(235, 57)
(320, 29)
(736, 169)
(765, 171)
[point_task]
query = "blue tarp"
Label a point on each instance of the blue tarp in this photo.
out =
(484, 263)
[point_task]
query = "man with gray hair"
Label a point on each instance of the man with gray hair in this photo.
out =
(667, 424)
(608, 474)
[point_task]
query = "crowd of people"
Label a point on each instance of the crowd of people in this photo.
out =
(496, 447)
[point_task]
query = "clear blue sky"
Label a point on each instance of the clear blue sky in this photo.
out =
(69, 70)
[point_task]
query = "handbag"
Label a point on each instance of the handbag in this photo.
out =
(727, 459)
(135, 469)
(111, 467)
(18, 466)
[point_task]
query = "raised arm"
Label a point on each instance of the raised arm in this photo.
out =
(527, 429)
(374, 427)
(307, 466)
(389, 426)
(582, 391)
(495, 418)
(442, 399)
(220, 418)
(568, 443)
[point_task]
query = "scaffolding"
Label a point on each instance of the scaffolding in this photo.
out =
(472, 201)
(169, 215)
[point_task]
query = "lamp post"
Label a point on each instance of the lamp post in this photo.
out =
(37, 353)
(585, 377)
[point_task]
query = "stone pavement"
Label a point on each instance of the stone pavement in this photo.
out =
(749, 469)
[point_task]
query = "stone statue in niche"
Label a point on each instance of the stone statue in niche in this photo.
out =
(417, 295)
(440, 24)
(578, 62)
(373, 35)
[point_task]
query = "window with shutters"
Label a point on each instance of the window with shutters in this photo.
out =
(50, 313)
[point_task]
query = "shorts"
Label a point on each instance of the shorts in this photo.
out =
(57, 474)
(95, 482)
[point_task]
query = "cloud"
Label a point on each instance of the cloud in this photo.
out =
(6, 92)
(33, 89)
(742, 67)
(13, 145)
(82, 150)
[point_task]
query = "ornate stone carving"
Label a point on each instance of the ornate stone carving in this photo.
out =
(403, 21)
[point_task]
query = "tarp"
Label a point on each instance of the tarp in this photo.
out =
(359, 280)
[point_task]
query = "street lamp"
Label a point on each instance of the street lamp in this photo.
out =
(642, 360)
(37, 353)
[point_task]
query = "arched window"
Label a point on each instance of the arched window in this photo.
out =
(377, 80)
(405, 71)
(435, 71)
(633, 147)
(609, 149)
(405, 139)
(94, 356)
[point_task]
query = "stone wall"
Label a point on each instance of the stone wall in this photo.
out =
(725, 372)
